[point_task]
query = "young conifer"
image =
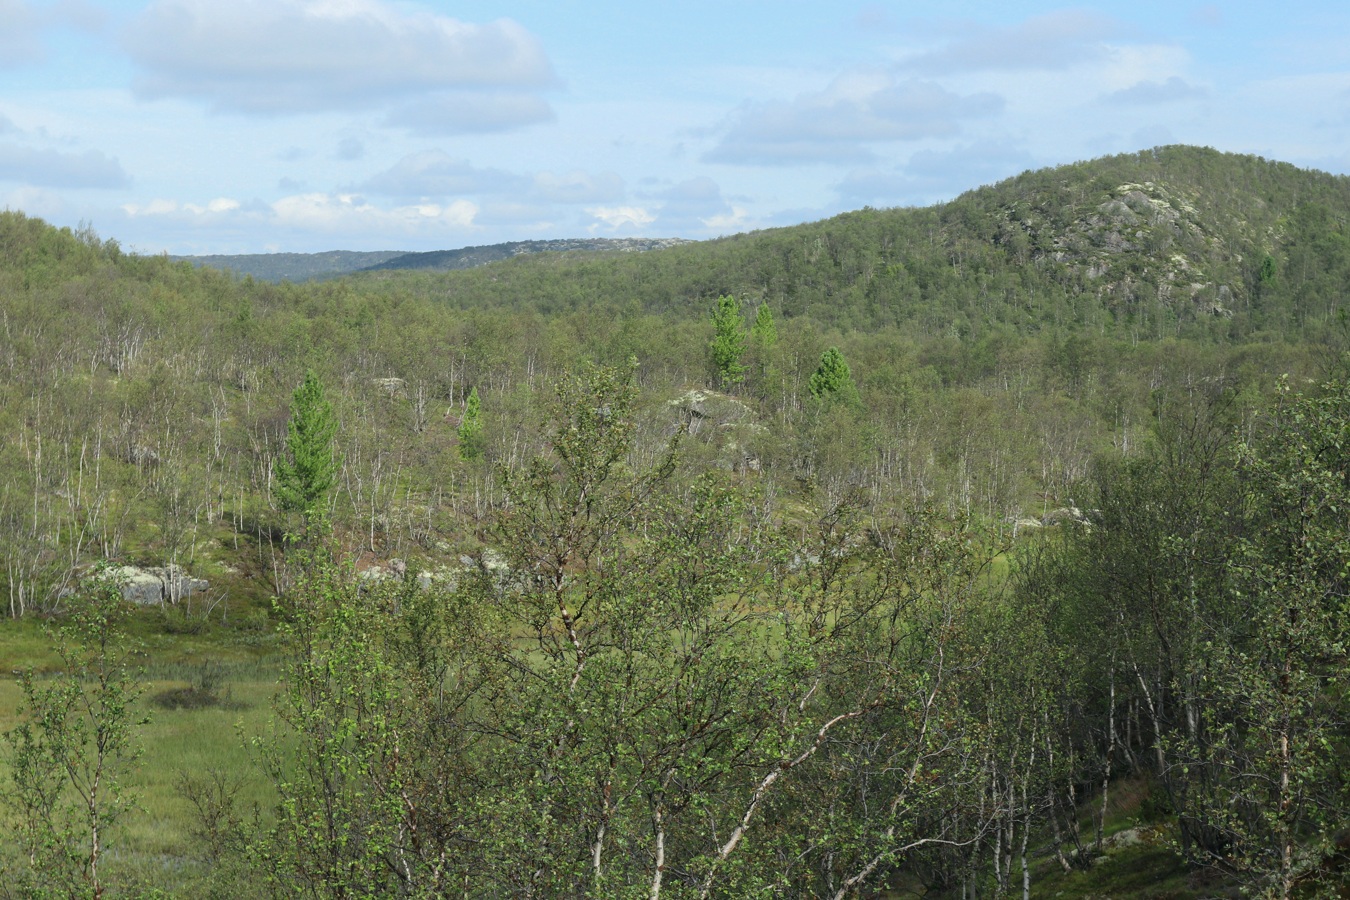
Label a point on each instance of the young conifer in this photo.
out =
(832, 379)
(470, 431)
(729, 339)
(307, 471)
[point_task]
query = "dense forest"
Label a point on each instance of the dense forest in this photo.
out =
(912, 550)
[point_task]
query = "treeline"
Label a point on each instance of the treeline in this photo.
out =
(1197, 632)
(660, 688)
(145, 401)
(666, 690)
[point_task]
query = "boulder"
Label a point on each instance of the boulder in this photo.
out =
(700, 408)
(155, 585)
(1064, 514)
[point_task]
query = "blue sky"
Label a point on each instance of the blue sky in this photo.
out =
(244, 126)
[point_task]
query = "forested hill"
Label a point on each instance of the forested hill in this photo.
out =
(295, 266)
(336, 263)
(1175, 240)
(998, 343)
(765, 551)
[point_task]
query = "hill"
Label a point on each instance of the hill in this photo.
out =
(998, 341)
(1162, 242)
(294, 266)
(1119, 331)
(335, 263)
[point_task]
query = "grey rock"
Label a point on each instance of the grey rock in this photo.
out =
(700, 408)
(143, 457)
(155, 585)
(1064, 514)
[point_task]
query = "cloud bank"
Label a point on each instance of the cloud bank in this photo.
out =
(1152, 93)
(303, 56)
(437, 174)
(52, 168)
(19, 40)
(836, 124)
(1055, 41)
(22, 24)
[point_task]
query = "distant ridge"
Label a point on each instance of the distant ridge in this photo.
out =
(1167, 241)
(295, 266)
(334, 263)
(469, 257)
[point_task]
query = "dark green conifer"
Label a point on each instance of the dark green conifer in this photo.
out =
(306, 472)
(471, 428)
(832, 379)
(729, 339)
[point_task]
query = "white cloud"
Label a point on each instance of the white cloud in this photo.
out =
(20, 41)
(836, 124)
(22, 24)
(617, 217)
(153, 208)
(1152, 93)
(934, 175)
(578, 187)
(465, 112)
(1128, 65)
(1054, 41)
(160, 207)
(54, 168)
(36, 201)
(348, 212)
(727, 222)
(694, 205)
(315, 213)
(350, 148)
(434, 173)
(295, 56)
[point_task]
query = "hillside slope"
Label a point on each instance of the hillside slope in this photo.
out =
(998, 343)
(1162, 242)
(294, 266)
(279, 267)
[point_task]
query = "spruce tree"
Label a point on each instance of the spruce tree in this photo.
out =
(470, 431)
(832, 379)
(307, 471)
(729, 339)
(763, 333)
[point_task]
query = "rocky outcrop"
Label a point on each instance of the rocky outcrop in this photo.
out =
(155, 585)
(1146, 240)
(1070, 514)
(702, 409)
(724, 422)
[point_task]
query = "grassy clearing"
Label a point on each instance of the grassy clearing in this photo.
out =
(233, 676)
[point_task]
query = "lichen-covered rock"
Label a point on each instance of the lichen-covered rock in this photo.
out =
(709, 408)
(155, 585)
(1064, 514)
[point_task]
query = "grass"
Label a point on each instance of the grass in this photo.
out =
(232, 675)
(226, 679)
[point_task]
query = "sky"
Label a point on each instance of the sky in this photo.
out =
(255, 126)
